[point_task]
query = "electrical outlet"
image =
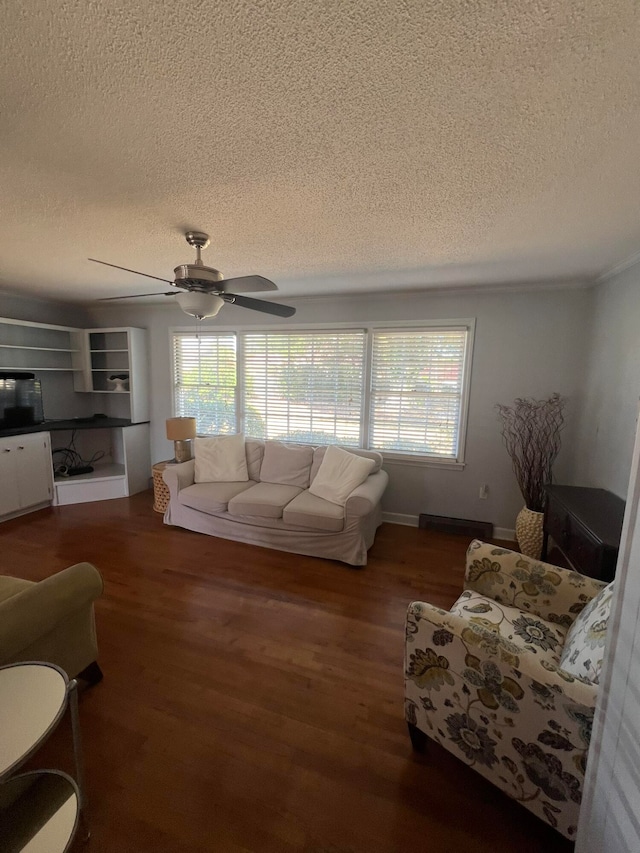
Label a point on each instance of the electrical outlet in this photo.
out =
(484, 492)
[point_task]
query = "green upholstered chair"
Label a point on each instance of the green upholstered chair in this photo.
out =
(52, 620)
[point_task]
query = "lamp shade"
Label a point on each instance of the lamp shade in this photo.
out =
(199, 304)
(181, 429)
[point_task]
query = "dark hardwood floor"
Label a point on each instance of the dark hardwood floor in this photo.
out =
(252, 700)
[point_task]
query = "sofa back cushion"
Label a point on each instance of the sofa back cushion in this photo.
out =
(339, 474)
(583, 651)
(319, 452)
(220, 459)
(286, 464)
(254, 449)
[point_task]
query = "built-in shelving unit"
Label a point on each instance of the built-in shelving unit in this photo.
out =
(37, 347)
(110, 364)
(124, 470)
(115, 364)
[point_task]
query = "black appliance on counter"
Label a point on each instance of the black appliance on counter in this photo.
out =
(20, 400)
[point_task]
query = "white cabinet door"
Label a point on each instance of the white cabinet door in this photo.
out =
(33, 469)
(25, 472)
(9, 499)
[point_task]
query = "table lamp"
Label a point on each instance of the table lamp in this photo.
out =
(180, 431)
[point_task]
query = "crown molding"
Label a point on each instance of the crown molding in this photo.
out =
(616, 269)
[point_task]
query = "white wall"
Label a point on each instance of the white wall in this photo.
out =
(611, 800)
(611, 386)
(527, 344)
(42, 310)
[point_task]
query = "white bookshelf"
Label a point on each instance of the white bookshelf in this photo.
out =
(116, 352)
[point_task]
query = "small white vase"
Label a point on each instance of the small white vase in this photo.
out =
(529, 532)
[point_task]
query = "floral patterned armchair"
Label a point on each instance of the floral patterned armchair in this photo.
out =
(507, 679)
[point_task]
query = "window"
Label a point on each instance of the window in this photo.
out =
(304, 386)
(399, 390)
(204, 371)
(416, 391)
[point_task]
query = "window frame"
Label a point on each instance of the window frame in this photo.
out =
(394, 456)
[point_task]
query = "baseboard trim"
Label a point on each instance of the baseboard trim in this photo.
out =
(399, 518)
(505, 533)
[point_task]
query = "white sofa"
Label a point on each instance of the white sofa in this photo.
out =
(274, 507)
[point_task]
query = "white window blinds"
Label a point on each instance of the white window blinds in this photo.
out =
(398, 390)
(304, 386)
(205, 381)
(416, 391)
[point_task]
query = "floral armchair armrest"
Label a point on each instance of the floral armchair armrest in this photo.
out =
(518, 720)
(555, 594)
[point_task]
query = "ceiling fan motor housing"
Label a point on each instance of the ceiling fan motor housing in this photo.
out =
(197, 277)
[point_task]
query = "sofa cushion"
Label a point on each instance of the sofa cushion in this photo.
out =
(339, 474)
(12, 586)
(212, 498)
(263, 499)
(583, 651)
(220, 459)
(254, 449)
(307, 510)
(287, 464)
(518, 632)
(319, 452)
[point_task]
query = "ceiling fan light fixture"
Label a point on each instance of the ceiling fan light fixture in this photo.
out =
(204, 290)
(199, 304)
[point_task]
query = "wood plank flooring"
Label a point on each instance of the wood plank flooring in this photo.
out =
(252, 699)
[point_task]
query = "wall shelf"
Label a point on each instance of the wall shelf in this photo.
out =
(14, 369)
(110, 471)
(38, 349)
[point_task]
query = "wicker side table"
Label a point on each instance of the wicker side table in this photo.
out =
(160, 490)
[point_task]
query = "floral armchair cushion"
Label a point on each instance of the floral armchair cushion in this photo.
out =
(583, 650)
(521, 633)
(484, 680)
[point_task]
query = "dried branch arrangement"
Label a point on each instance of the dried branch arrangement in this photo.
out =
(531, 432)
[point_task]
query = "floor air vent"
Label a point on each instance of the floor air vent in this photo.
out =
(464, 526)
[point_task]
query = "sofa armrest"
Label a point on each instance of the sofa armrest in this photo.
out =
(37, 610)
(365, 497)
(510, 578)
(179, 476)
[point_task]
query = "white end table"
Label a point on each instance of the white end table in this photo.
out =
(33, 698)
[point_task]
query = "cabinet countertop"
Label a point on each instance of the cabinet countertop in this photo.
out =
(71, 423)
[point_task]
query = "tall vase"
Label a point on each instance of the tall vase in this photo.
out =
(529, 532)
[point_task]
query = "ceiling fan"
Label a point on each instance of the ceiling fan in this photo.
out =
(202, 291)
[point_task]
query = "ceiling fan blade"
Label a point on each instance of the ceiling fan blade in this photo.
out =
(126, 269)
(134, 296)
(246, 284)
(259, 305)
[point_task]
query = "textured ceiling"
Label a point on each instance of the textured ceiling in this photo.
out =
(330, 146)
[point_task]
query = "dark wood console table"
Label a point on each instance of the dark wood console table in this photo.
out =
(585, 525)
